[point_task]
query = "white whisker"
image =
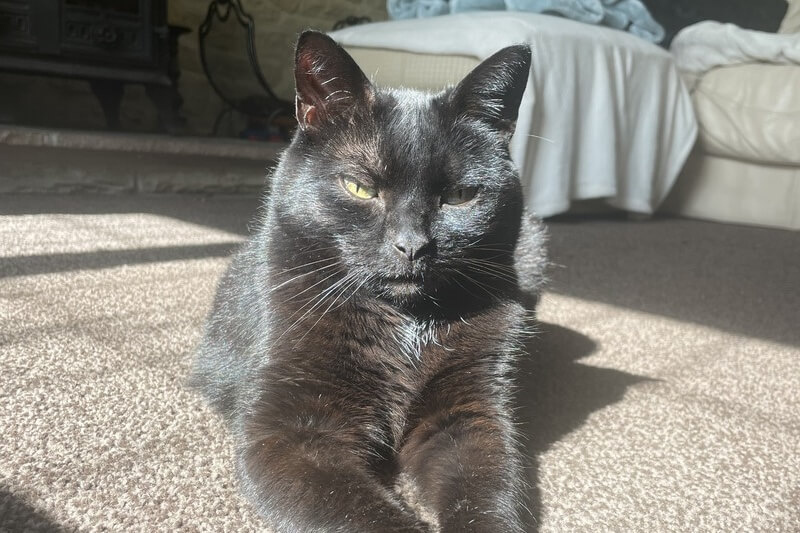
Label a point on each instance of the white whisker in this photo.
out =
(542, 138)
(335, 299)
(316, 270)
(292, 297)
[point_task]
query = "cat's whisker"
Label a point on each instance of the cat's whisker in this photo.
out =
(366, 279)
(321, 296)
(335, 299)
(486, 261)
(340, 293)
(498, 252)
(432, 299)
(493, 270)
(503, 245)
(323, 280)
(320, 300)
(315, 271)
(306, 265)
(509, 274)
(475, 283)
(489, 262)
(478, 284)
(314, 247)
(492, 291)
(491, 258)
(499, 275)
(374, 76)
(463, 287)
(542, 138)
(493, 247)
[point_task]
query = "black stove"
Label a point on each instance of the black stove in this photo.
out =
(107, 42)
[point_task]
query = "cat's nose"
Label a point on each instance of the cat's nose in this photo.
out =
(412, 245)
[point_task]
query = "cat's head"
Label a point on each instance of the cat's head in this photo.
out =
(414, 194)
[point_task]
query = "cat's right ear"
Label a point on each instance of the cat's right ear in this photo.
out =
(328, 82)
(493, 91)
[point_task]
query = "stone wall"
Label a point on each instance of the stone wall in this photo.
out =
(278, 23)
(53, 102)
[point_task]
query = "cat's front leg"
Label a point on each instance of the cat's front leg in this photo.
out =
(461, 468)
(306, 479)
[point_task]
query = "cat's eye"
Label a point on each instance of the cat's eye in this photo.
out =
(359, 190)
(459, 196)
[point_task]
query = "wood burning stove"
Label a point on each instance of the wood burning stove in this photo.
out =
(107, 42)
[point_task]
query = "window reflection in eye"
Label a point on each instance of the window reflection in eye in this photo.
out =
(459, 196)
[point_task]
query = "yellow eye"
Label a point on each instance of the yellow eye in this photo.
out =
(358, 190)
(459, 196)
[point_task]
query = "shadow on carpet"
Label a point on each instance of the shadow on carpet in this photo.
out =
(18, 515)
(558, 393)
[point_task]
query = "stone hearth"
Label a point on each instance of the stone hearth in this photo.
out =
(40, 160)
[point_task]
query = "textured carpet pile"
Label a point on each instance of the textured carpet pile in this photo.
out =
(662, 392)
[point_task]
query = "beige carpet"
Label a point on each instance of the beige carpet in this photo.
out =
(663, 393)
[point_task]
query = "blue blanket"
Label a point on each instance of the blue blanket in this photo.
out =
(627, 15)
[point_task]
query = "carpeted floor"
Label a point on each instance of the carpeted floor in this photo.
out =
(663, 393)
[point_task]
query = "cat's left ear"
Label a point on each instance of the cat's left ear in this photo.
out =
(493, 91)
(329, 83)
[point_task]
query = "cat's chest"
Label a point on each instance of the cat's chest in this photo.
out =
(414, 340)
(371, 349)
(397, 350)
(414, 350)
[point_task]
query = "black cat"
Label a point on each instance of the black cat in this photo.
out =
(362, 344)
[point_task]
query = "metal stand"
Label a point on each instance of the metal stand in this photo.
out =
(266, 108)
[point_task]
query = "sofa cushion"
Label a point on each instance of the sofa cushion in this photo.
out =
(399, 68)
(750, 112)
(791, 22)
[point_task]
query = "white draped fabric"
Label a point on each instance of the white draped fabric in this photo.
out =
(707, 45)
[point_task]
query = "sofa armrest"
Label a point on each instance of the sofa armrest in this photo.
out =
(750, 112)
(791, 22)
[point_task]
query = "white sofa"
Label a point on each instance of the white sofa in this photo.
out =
(745, 167)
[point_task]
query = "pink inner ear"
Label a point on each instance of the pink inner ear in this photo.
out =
(309, 115)
(328, 81)
(309, 90)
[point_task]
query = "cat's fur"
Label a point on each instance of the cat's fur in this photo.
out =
(362, 351)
